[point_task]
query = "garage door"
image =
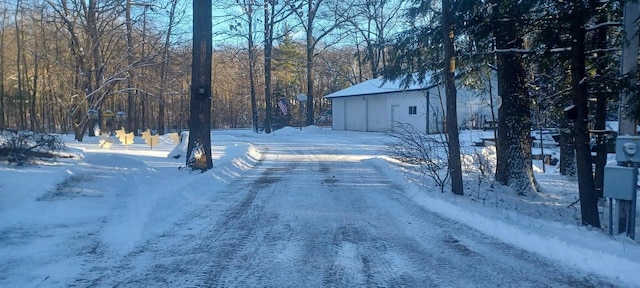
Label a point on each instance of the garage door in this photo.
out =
(376, 114)
(354, 114)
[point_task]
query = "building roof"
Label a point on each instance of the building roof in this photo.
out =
(380, 86)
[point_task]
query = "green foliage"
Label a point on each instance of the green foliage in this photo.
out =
(550, 57)
(418, 51)
(288, 65)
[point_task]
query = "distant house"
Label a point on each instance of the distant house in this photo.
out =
(375, 105)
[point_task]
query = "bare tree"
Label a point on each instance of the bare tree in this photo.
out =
(372, 20)
(199, 147)
(130, 60)
(314, 14)
(93, 30)
(164, 64)
(249, 12)
(35, 51)
(2, 60)
(19, 56)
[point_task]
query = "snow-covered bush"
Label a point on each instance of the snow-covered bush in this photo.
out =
(481, 165)
(21, 146)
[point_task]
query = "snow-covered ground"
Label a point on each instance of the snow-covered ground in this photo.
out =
(57, 217)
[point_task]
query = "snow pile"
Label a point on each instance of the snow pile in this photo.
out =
(180, 151)
(288, 130)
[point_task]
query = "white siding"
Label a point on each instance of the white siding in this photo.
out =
(435, 109)
(404, 100)
(377, 112)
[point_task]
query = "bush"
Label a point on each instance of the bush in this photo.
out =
(20, 147)
(428, 154)
(481, 165)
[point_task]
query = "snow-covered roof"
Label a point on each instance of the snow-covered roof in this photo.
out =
(379, 86)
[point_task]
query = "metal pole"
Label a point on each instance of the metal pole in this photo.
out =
(632, 210)
(610, 216)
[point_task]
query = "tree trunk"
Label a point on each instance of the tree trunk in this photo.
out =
(268, 48)
(600, 40)
(567, 149)
(131, 101)
(310, 70)
(19, 67)
(360, 64)
(199, 147)
(513, 145)
(94, 79)
(252, 68)
(163, 69)
(455, 165)
(588, 197)
(33, 122)
(2, 30)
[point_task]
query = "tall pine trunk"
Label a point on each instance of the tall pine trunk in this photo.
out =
(513, 145)
(600, 42)
(586, 187)
(567, 149)
(455, 165)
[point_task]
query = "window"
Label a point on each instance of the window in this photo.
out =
(413, 110)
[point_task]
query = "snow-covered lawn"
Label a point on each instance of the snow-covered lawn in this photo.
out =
(56, 215)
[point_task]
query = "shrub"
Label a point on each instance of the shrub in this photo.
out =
(20, 147)
(428, 154)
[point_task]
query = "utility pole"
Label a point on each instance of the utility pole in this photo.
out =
(628, 65)
(620, 180)
(199, 148)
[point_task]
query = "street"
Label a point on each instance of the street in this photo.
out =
(314, 216)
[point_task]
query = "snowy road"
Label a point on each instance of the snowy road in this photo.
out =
(314, 215)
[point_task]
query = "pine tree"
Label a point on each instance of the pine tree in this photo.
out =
(513, 145)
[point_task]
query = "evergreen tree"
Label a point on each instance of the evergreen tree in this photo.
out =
(513, 145)
(288, 74)
(581, 38)
(476, 25)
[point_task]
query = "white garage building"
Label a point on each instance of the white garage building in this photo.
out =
(374, 105)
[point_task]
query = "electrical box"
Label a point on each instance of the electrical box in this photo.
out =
(628, 148)
(619, 182)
